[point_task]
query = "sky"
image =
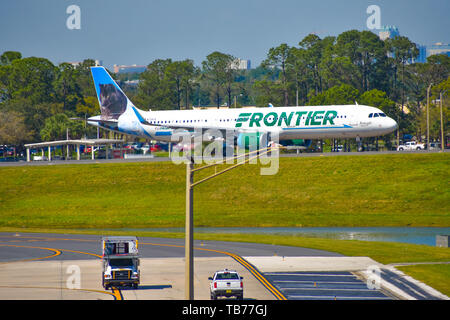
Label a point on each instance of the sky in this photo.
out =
(140, 31)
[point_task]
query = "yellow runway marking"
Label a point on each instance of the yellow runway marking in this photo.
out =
(116, 292)
(56, 252)
(116, 295)
(240, 260)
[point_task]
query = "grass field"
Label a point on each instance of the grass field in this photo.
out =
(369, 190)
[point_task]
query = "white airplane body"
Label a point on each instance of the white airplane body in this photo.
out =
(119, 114)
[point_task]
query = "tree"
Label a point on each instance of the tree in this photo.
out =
(32, 78)
(268, 92)
(379, 99)
(312, 55)
(277, 58)
(338, 95)
(9, 56)
(155, 90)
(66, 87)
(181, 74)
(403, 51)
(366, 51)
(55, 128)
(12, 128)
(217, 69)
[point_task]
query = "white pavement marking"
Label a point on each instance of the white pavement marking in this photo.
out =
(292, 264)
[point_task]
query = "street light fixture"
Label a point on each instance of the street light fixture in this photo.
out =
(189, 233)
(442, 118)
(428, 116)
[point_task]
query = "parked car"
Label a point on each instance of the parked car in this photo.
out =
(226, 283)
(155, 148)
(435, 145)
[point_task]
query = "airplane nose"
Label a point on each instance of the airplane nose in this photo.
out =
(391, 124)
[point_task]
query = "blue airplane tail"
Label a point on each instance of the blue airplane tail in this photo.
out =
(113, 102)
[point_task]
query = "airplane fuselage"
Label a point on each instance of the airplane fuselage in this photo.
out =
(309, 122)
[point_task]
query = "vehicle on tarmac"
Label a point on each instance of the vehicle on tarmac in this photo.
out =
(120, 262)
(411, 145)
(226, 283)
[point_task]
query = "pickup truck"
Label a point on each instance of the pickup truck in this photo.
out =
(411, 145)
(226, 283)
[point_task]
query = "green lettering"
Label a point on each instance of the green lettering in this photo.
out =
(314, 122)
(272, 122)
(255, 119)
(287, 119)
(308, 118)
(329, 116)
(300, 114)
(243, 117)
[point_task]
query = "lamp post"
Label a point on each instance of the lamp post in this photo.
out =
(441, 97)
(428, 116)
(189, 232)
(189, 236)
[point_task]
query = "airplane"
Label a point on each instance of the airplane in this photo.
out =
(296, 125)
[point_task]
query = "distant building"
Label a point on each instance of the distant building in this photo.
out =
(438, 48)
(422, 57)
(388, 32)
(241, 64)
(129, 69)
(78, 63)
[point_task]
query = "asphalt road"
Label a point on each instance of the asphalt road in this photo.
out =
(162, 159)
(79, 247)
(162, 253)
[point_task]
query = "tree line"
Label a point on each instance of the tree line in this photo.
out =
(38, 98)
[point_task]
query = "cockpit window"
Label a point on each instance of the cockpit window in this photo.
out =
(382, 115)
(375, 115)
(371, 115)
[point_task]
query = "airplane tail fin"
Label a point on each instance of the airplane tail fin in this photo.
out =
(113, 102)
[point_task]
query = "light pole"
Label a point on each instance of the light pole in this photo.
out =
(189, 232)
(428, 116)
(189, 236)
(442, 119)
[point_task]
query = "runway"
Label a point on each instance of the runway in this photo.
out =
(35, 266)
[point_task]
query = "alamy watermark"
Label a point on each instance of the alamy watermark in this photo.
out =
(374, 19)
(73, 21)
(373, 281)
(211, 146)
(74, 279)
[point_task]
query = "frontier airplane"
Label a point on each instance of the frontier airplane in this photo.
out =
(291, 125)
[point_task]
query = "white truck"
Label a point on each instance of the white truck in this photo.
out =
(120, 262)
(411, 145)
(226, 283)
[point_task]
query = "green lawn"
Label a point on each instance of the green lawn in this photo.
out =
(375, 190)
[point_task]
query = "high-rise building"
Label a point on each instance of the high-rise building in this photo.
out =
(388, 32)
(241, 64)
(129, 69)
(422, 57)
(438, 48)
